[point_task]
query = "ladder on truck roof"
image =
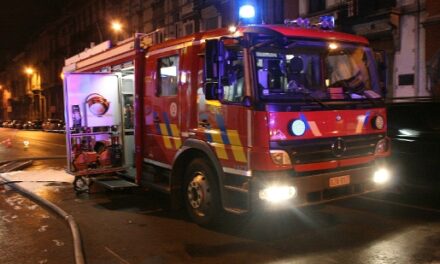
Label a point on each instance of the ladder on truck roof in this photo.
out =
(105, 51)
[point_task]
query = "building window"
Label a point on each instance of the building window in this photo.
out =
(168, 68)
(351, 8)
(316, 5)
(158, 36)
(210, 23)
(188, 28)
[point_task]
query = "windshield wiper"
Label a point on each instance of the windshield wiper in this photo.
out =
(365, 95)
(305, 92)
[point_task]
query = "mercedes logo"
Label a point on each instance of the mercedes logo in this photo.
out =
(338, 147)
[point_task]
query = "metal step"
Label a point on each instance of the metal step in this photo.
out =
(129, 173)
(114, 183)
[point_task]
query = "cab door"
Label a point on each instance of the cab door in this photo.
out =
(224, 120)
(162, 108)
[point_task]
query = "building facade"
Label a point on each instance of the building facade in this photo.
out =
(39, 94)
(397, 27)
(406, 30)
(432, 51)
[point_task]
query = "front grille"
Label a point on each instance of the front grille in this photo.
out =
(339, 192)
(319, 150)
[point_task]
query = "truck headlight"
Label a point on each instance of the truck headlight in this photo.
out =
(277, 194)
(298, 127)
(280, 157)
(381, 176)
(378, 122)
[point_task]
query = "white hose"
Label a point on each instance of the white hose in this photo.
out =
(77, 244)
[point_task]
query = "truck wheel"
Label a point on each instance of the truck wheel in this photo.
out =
(201, 193)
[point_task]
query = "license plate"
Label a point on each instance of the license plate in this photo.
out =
(339, 181)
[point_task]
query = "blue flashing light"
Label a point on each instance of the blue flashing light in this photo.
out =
(246, 12)
(300, 22)
(327, 22)
(298, 127)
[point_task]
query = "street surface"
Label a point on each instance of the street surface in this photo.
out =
(140, 227)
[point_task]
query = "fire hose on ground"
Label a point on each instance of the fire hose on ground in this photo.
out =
(77, 244)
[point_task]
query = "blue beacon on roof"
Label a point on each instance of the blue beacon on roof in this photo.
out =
(246, 11)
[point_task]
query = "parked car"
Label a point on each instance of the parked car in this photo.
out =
(37, 124)
(33, 125)
(18, 124)
(6, 123)
(27, 125)
(53, 125)
(414, 129)
(12, 124)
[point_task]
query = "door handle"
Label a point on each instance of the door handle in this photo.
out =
(204, 123)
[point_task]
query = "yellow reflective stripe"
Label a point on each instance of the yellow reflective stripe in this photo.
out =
(217, 143)
(176, 135)
(177, 142)
(163, 129)
(213, 102)
(216, 136)
(220, 150)
(237, 149)
(175, 130)
(239, 154)
(167, 142)
(360, 123)
(235, 144)
(166, 139)
(234, 138)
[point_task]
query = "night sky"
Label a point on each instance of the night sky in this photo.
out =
(22, 19)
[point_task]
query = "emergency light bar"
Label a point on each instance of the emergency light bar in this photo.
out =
(325, 22)
(300, 22)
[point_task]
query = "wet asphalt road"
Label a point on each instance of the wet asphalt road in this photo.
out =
(139, 227)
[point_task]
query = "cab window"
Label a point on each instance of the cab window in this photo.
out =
(233, 78)
(168, 75)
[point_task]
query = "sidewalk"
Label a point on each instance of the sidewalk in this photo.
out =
(41, 182)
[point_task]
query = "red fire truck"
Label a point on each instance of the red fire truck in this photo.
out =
(238, 119)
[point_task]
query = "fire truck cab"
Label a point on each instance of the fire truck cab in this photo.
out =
(254, 117)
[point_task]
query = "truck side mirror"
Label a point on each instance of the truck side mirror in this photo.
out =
(380, 57)
(214, 68)
(211, 90)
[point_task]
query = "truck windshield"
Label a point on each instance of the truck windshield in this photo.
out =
(320, 70)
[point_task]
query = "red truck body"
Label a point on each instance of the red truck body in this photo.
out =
(218, 152)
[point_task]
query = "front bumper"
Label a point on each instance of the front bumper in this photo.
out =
(313, 189)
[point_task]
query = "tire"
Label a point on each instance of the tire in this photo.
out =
(201, 193)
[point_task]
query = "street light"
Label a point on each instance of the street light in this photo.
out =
(116, 26)
(29, 70)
